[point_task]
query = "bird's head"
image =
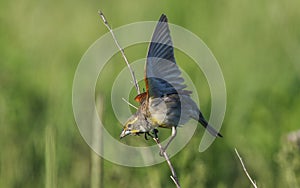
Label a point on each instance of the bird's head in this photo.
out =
(135, 125)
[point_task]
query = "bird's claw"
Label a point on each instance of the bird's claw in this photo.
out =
(148, 134)
(155, 133)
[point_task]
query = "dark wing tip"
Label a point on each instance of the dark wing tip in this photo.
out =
(163, 18)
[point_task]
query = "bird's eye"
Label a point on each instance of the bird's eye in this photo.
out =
(129, 125)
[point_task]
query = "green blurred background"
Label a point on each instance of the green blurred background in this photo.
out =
(256, 43)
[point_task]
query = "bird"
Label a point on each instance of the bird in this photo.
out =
(166, 103)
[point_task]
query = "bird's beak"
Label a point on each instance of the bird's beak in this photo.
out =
(124, 133)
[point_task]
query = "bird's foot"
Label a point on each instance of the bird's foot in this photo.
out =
(153, 134)
(147, 134)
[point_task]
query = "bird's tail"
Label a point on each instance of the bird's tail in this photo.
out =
(209, 128)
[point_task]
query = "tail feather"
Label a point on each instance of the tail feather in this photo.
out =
(209, 128)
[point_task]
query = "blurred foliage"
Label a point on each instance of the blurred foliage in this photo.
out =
(257, 44)
(288, 160)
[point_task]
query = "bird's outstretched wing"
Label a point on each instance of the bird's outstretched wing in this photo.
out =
(162, 76)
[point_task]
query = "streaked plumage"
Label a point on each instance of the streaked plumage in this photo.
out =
(166, 103)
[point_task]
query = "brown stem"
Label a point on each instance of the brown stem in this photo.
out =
(165, 155)
(121, 50)
(244, 168)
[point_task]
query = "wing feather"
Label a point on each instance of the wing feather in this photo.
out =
(162, 75)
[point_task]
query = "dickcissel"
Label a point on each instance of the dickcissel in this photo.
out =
(165, 103)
